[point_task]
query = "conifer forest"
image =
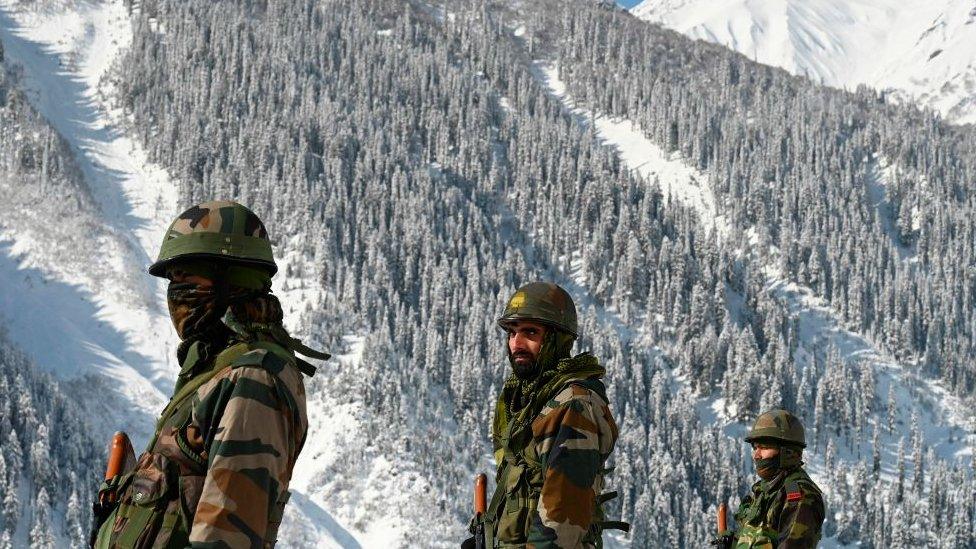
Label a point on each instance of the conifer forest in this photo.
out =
(413, 166)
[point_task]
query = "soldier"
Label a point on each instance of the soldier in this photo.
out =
(216, 472)
(552, 431)
(784, 509)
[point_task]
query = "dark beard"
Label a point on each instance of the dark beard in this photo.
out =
(524, 371)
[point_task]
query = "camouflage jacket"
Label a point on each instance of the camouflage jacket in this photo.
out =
(783, 513)
(216, 474)
(550, 476)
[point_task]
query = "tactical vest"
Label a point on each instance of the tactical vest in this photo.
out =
(758, 517)
(157, 500)
(519, 482)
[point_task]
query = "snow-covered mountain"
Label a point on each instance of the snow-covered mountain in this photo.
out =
(920, 49)
(736, 239)
(77, 232)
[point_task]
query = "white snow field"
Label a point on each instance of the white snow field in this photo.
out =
(946, 426)
(94, 317)
(677, 179)
(84, 312)
(920, 49)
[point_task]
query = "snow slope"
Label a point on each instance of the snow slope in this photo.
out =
(93, 317)
(946, 425)
(677, 179)
(101, 315)
(919, 49)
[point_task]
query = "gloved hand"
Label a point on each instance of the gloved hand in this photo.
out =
(468, 543)
(725, 540)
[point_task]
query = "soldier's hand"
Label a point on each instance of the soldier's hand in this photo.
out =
(725, 540)
(468, 543)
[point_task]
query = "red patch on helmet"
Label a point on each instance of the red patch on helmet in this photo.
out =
(794, 496)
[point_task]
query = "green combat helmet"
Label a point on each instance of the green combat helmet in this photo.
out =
(221, 230)
(542, 302)
(778, 425)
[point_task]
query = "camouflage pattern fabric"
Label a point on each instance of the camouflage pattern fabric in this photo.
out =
(543, 302)
(785, 512)
(193, 308)
(550, 474)
(252, 422)
(217, 473)
(573, 436)
(221, 230)
(217, 216)
(778, 425)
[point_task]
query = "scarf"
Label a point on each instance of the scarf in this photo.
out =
(522, 400)
(787, 459)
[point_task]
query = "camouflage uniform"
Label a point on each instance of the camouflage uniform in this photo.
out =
(551, 452)
(216, 473)
(785, 511)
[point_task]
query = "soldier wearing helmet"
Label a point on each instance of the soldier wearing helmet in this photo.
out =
(785, 508)
(552, 430)
(216, 472)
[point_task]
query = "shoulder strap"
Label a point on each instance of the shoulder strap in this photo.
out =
(288, 354)
(221, 362)
(798, 480)
(593, 384)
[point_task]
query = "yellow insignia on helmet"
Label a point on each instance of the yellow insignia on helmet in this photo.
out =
(517, 300)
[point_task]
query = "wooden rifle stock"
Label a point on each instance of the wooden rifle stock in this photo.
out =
(480, 507)
(117, 457)
(722, 521)
(480, 494)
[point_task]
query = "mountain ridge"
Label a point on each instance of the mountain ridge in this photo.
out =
(916, 51)
(508, 164)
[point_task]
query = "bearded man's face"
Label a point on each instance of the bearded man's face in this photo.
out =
(524, 345)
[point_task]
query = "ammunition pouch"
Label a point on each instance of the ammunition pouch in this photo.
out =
(102, 508)
(156, 509)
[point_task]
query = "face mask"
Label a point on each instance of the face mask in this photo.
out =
(194, 309)
(767, 467)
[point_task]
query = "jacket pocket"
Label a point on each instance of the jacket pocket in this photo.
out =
(140, 516)
(513, 523)
(191, 487)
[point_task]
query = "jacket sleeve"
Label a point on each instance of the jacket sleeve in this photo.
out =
(574, 437)
(250, 447)
(801, 519)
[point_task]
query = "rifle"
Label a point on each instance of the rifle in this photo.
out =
(120, 458)
(480, 506)
(724, 539)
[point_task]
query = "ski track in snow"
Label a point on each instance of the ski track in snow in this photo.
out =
(942, 417)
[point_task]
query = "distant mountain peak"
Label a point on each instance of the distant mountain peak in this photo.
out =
(924, 50)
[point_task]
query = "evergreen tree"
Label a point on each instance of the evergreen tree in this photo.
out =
(40, 533)
(74, 521)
